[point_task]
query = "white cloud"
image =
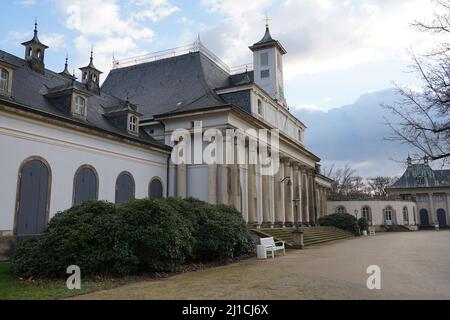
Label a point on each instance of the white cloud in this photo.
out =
(319, 35)
(26, 3)
(113, 27)
(54, 40)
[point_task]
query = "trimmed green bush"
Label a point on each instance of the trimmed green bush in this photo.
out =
(343, 221)
(89, 235)
(219, 232)
(138, 236)
(159, 236)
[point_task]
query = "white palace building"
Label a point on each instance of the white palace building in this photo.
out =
(64, 141)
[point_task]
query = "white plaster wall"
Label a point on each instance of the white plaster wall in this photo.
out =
(65, 151)
(197, 182)
(377, 208)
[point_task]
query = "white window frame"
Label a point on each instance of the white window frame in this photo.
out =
(133, 124)
(77, 107)
(4, 79)
(260, 107)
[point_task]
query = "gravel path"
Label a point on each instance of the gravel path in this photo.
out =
(414, 265)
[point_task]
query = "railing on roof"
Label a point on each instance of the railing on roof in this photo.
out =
(197, 46)
(242, 68)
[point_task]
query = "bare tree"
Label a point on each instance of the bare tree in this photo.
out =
(378, 185)
(424, 114)
(343, 179)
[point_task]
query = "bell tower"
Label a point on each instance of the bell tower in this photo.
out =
(268, 65)
(90, 76)
(35, 52)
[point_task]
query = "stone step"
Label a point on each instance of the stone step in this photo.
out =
(311, 235)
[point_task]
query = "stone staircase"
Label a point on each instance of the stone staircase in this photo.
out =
(397, 228)
(311, 235)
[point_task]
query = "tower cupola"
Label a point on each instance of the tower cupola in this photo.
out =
(91, 76)
(35, 52)
(268, 66)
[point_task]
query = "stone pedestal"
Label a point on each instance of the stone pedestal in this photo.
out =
(298, 239)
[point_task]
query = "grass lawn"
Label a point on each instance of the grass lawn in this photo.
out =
(12, 288)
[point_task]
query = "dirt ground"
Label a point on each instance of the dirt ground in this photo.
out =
(414, 265)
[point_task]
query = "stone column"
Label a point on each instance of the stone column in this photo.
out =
(181, 180)
(252, 196)
(288, 214)
(432, 214)
(279, 214)
(266, 201)
(308, 191)
(212, 177)
(300, 195)
(447, 197)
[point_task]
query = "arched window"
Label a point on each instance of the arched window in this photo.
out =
(4, 79)
(367, 214)
(405, 215)
(155, 190)
(80, 106)
(125, 187)
(38, 53)
(341, 209)
(85, 185)
(33, 197)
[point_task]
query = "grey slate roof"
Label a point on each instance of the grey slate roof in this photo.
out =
(172, 85)
(29, 90)
(267, 41)
(431, 178)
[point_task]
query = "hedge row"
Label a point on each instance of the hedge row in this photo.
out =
(140, 236)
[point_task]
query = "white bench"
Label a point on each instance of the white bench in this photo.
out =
(272, 245)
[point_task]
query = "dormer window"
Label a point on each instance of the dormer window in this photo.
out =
(133, 124)
(260, 107)
(80, 106)
(4, 80)
(420, 180)
(300, 135)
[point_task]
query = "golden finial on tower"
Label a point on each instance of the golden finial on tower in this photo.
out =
(266, 20)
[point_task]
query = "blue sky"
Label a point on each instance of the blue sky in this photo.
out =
(337, 50)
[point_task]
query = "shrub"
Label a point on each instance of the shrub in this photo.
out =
(159, 236)
(139, 236)
(219, 231)
(363, 224)
(89, 236)
(343, 221)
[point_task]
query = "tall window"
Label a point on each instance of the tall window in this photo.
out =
(260, 107)
(300, 135)
(80, 106)
(85, 185)
(133, 124)
(265, 74)
(4, 79)
(264, 59)
(405, 214)
(388, 214)
(155, 189)
(366, 213)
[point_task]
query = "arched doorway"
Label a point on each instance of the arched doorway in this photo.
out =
(442, 219)
(85, 185)
(33, 197)
(124, 187)
(424, 221)
(155, 190)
